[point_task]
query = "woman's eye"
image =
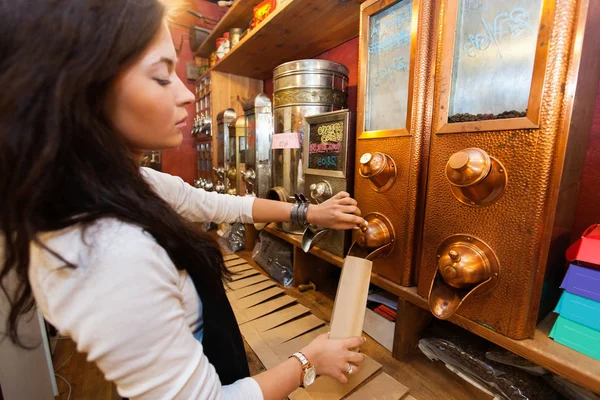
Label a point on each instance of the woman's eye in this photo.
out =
(162, 82)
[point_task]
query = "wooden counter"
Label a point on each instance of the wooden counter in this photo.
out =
(541, 350)
(427, 380)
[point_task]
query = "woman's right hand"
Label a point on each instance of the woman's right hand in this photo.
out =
(333, 357)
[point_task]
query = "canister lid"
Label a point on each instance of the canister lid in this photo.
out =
(239, 122)
(227, 114)
(309, 65)
(260, 100)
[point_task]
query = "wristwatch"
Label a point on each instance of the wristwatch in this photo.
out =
(309, 373)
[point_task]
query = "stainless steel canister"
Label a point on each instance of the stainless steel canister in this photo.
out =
(301, 88)
(236, 155)
(224, 118)
(259, 132)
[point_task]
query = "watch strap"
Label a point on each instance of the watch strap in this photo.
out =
(304, 363)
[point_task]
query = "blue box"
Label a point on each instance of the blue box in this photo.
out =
(582, 281)
(579, 309)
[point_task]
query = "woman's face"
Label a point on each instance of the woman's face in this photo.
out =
(146, 102)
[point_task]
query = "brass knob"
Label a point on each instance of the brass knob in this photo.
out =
(468, 167)
(208, 186)
(320, 191)
(248, 176)
(219, 172)
(379, 168)
(376, 233)
(476, 179)
(232, 191)
(232, 174)
(463, 265)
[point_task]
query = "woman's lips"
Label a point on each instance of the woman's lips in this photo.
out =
(182, 123)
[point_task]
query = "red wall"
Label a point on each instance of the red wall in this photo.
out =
(588, 205)
(181, 161)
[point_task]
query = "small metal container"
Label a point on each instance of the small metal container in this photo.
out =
(235, 35)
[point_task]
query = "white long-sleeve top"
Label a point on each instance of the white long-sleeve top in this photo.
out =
(128, 307)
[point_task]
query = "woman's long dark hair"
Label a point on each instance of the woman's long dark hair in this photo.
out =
(61, 163)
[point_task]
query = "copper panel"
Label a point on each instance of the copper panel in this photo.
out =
(518, 226)
(401, 203)
(393, 203)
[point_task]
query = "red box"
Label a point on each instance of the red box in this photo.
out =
(262, 11)
(587, 249)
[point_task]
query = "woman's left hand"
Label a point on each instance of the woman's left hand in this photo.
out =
(339, 212)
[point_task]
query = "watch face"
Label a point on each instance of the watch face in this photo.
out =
(309, 376)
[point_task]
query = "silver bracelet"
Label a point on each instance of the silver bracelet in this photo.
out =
(305, 214)
(294, 213)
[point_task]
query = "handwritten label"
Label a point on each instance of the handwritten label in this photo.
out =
(286, 141)
(326, 145)
(494, 55)
(506, 26)
(388, 66)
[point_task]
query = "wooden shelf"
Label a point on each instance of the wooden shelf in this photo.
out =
(239, 15)
(542, 350)
(297, 29)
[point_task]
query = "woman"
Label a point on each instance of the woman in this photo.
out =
(104, 247)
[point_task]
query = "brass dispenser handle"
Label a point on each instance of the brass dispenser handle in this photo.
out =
(476, 179)
(379, 169)
(220, 187)
(320, 191)
(248, 176)
(467, 267)
(375, 239)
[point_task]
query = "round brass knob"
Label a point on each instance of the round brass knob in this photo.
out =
(376, 233)
(468, 167)
(464, 265)
(219, 172)
(379, 168)
(320, 191)
(208, 186)
(231, 174)
(248, 176)
(220, 187)
(476, 179)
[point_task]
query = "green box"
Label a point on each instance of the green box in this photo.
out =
(576, 336)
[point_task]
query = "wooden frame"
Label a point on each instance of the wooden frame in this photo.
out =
(443, 84)
(334, 116)
(368, 9)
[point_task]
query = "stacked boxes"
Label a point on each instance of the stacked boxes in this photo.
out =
(578, 322)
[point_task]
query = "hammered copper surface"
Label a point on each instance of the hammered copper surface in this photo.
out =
(401, 204)
(516, 227)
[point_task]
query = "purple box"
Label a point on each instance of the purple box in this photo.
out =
(582, 281)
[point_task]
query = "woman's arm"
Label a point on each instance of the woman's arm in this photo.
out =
(123, 307)
(339, 212)
(329, 357)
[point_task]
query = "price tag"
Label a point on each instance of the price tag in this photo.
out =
(286, 141)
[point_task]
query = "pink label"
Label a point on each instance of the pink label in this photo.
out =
(286, 141)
